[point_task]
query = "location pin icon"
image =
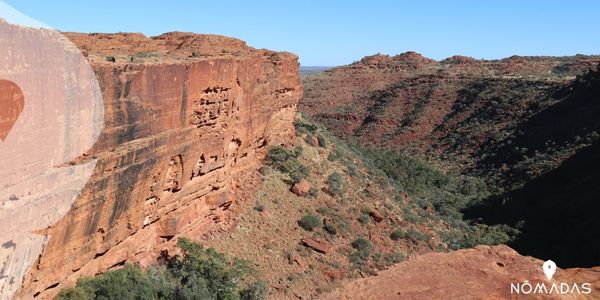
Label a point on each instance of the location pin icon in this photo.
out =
(549, 268)
(11, 106)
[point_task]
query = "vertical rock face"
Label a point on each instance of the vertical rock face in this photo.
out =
(184, 114)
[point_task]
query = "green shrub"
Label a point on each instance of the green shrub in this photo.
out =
(313, 192)
(335, 154)
(365, 210)
(364, 219)
(255, 291)
(330, 228)
(398, 234)
(335, 183)
(127, 283)
(448, 194)
(326, 211)
(278, 155)
(310, 222)
(362, 244)
(199, 274)
(352, 170)
(298, 151)
(363, 251)
(360, 258)
(410, 217)
(286, 161)
(303, 127)
(393, 258)
(322, 141)
(415, 235)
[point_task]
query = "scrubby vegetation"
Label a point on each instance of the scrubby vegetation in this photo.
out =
(445, 193)
(448, 194)
(361, 256)
(375, 208)
(310, 222)
(286, 161)
(398, 234)
(335, 183)
(199, 273)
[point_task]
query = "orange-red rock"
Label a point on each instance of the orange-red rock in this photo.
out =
(377, 217)
(318, 245)
(184, 114)
(481, 273)
(301, 188)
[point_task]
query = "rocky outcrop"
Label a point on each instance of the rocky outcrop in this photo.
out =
(301, 188)
(184, 115)
(481, 273)
(318, 245)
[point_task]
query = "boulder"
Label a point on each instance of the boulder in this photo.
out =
(318, 245)
(377, 217)
(301, 188)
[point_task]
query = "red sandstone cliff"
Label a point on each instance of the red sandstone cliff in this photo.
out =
(184, 115)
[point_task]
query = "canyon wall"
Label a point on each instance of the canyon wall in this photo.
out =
(185, 114)
(527, 127)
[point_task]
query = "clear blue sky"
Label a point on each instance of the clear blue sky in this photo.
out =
(334, 33)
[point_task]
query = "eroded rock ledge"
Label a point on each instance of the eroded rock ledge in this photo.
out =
(184, 113)
(481, 273)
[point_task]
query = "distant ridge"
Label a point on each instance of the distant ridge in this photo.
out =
(307, 70)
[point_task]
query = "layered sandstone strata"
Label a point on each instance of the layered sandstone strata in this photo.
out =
(184, 115)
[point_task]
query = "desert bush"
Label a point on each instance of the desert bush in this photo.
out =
(330, 228)
(310, 222)
(398, 234)
(361, 244)
(393, 258)
(360, 257)
(298, 151)
(322, 141)
(326, 211)
(313, 192)
(127, 283)
(416, 236)
(364, 219)
(335, 154)
(335, 183)
(287, 162)
(304, 127)
(198, 274)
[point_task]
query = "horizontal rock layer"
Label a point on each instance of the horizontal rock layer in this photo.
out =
(184, 114)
